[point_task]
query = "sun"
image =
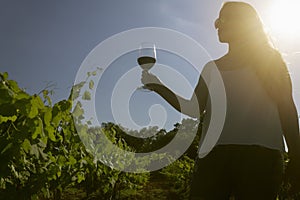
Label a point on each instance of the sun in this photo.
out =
(284, 17)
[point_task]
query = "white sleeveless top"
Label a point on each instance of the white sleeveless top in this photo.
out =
(252, 117)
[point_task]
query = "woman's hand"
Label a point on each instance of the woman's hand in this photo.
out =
(292, 175)
(149, 80)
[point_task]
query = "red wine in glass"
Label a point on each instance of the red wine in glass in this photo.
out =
(146, 62)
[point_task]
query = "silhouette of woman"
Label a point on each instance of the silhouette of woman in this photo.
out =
(247, 160)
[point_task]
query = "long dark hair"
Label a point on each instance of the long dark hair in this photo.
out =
(265, 58)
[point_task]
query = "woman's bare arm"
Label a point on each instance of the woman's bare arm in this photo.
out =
(191, 107)
(289, 117)
(290, 125)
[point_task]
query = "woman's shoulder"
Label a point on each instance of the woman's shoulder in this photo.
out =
(220, 61)
(212, 66)
(225, 63)
(216, 62)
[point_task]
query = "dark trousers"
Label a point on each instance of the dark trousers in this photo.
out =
(243, 171)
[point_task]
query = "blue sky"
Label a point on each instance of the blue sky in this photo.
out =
(45, 42)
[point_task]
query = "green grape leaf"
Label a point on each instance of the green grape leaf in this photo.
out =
(26, 145)
(33, 112)
(67, 133)
(91, 84)
(65, 105)
(5, 119)
(13, 85)
(72, 160)
(34, 150)
(56, 115)
(78, 111)
(48, 116)
(58, 174)
(86, 95)
(51, 136)
(94, 73)
(37, 102)
(4, 75)
(80, 177)
(6, 96)
(38, 128)
(61, 160)
(22, 95)
(76, 90)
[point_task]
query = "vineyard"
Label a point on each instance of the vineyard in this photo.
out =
(43, 156)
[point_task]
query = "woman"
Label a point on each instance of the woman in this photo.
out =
(246, 161)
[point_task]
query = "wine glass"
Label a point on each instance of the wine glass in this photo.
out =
(147, 57)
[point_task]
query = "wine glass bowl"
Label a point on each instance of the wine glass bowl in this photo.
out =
(147, 55)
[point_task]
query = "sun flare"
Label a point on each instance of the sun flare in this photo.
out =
(284, 17)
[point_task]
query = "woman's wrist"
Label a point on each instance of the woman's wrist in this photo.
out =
(153, 86)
